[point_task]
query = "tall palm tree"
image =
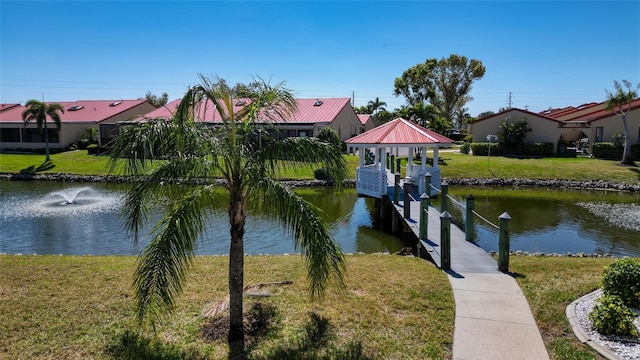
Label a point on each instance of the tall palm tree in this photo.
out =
(620, 103)
(423, 114)
(376, 105)
(38, 111)
(248, 156)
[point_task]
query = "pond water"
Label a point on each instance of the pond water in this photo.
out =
(555, 220)
(73, 219)
(67, 218)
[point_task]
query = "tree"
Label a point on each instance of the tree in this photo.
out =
(444, 83)
(376, 105)
(485, 114)
(440, 125)
(512, 134)
(155, 100)
(248, 155)
(382, 117)
(330, 136)
(362, 109)
(620, 103)
(423, 114)
(38, 111)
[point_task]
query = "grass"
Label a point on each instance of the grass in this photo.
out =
(78, 162)
(552, 283)
(77, 307)
(453, 165)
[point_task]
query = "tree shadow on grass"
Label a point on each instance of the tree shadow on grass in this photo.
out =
(47, 165)
(637, 171)
(316, 343)
(131, 345)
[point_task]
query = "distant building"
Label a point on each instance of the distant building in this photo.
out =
(78, 116)
(367, 122)
(570, 126)
(311, 116)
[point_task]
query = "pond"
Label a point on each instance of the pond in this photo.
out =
(39, 218)
(35, 217)
(556, 220)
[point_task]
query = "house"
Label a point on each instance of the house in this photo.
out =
(367, 122)
(78, 116)
(311, 116)
(587, 123)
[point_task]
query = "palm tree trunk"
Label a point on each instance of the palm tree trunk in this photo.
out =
(46, 141)
(236, 268)
(627, 158)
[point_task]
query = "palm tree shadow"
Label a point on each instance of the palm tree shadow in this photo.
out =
(316, 343)
(637, 171)
(131, 345)
(47, 165)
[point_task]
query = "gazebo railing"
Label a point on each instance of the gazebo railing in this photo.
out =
(371, 181)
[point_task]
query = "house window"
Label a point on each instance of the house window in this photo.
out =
(599, 131)
(302, 133)
(36, 136)
(10, 135)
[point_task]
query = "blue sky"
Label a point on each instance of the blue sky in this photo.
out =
(546, 54)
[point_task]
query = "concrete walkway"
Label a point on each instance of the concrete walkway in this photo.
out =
(493, 319)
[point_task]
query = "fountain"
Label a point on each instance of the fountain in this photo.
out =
(70, 194)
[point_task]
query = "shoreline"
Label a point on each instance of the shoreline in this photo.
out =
(553, 183)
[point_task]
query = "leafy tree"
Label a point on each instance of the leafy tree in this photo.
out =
(38, 111)
(382, 117)
(512, 133)
(440, 125)
(329, 136)
(423, 114)
(248, 156)
(403, 112)
(376, 105)
(620, 102)
(444, 83)
(155, 100)
(362, 110)
(485, 114)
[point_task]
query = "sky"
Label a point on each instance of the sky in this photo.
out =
(539, 54)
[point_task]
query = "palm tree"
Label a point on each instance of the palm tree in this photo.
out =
(376, 105)
(423, 114)
(616, 102)
(38, 111)
(248, 156)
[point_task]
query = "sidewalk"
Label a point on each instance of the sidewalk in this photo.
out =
(493, 320)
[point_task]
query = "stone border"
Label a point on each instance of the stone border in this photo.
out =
(581, 335)
(563, 184)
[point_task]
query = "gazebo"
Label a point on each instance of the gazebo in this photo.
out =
(388, 139)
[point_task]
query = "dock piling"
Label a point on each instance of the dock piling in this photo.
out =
(468, 224)
(445, 240)
(503, 243)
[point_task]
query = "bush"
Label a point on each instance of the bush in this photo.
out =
(321, 174)
(611, 317)
(329, 136)
(606, 150)
(465, 148)
(635, 152)
(622, 278)
(482, 149)
(537, 149)
(94, 149)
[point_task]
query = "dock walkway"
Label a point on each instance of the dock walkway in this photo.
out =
(492, 317)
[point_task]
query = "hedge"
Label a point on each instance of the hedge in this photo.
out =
(537, 149)
(608, 150)
(482, 148)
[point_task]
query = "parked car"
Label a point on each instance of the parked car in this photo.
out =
(454, 134)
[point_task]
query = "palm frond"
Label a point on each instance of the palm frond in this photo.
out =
(162, 267)
(324, 259)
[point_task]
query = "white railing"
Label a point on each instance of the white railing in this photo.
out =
(371, 181)
(417, 173)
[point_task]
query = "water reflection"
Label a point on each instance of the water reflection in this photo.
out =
(31, 224)
(552, 221)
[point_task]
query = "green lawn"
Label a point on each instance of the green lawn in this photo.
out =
(454, 165)
(81, 307)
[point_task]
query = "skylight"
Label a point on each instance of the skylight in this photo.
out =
(318, 103)
(115, 103)
(75, 108)
(240, 103)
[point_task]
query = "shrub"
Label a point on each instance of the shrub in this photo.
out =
(329, 136)
(537, 149)
(611, 317)
(321, 174)
(465, 148)
(635, 152)
(482, 149)
(94, 149)
(606, 150)
(622, 278)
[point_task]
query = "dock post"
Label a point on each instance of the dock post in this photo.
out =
(398, 166)
(468, 224)
(407, 199)
(445, 240)
(392, 163)
(444, 190)
(396, 188)
(503, 242)
(424, 216)
(427, 183)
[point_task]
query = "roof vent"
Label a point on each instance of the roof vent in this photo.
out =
(241, 103)
(318, 103)
(115, 103)
(75, 108)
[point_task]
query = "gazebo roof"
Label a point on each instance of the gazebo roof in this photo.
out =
(400, 132)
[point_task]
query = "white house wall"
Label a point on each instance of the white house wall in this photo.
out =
(613, 124)
(346, 123)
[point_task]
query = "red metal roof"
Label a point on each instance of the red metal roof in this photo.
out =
(400, 132)
(364, 118)
(88, 110)
(326, 110)
(635, 104)
(4, 107)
